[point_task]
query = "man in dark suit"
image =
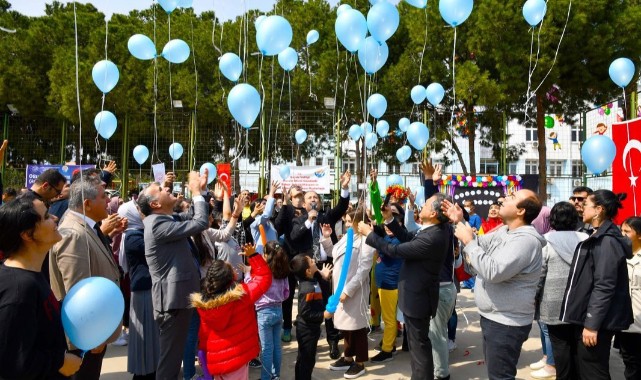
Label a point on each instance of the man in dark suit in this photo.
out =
(174, 271)
(424, 253)
(305, 238)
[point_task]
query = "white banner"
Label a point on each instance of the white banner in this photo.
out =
(310, 178)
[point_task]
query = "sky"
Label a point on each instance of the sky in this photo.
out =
(225, 9)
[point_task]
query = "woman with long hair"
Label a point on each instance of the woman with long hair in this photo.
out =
(630, 338)
(597, 299)
(33, 341)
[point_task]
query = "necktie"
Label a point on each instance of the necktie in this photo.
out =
(316, 254)
(105, 241)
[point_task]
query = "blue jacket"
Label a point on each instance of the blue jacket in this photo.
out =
(388, 268)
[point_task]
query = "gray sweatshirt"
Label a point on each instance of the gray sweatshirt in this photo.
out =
(557, 257)
(508, 263)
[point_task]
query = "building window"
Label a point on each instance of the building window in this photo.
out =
(512, 168)
(576, 133)
(489, 166)
(351, 166)
(531, 134)
(416, 170)
(393, 169)
(330, 162)
(531, 167)
(555, 168)
(577, 169)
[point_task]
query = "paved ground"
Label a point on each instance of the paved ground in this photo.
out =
(465, 363)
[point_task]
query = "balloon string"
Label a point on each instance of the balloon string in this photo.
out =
(102, 106)
(452, 123)
(627, 126)
(271, 111)
(289, 91)
(555, 54)
(360, 92)
(195, 119)
(278, 116)
(420, 69)
(154, 149)
(309, 71)
(531, 70)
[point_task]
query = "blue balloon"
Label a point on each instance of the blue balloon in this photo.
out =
(284, 172)
(91, 312)
(370, 140)
(300, 136)
(168, 5)
(231, 66)
(404, 153)
(417, 94)
(259, 19)
(598, 152)
(175, 151)
(355, 132)
(621, 71)
(420, 196)
(211, 171)
(376, 105)
(185, 3)
(382, 128)
(372, 55)
(394, 179)
(141, 47)
(287, 59)
(141, 153)
(418, 135)
(243, 102)
(342, 8)
(403, 124)
(273, 35)
(312, 36)
(351, 29)
(105, 123)
(382, 21)
(366, 128)
(176, 51)
(105, 75)
(417, 3)
(332, 302)
(434, 93)
(534, 11)
(455, 12)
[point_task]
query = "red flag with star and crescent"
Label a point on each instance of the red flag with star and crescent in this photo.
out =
(626, 167)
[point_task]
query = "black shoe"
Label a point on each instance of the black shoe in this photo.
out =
(334, 353)
(405, 346)
(255, 363)
(382, 357)
(340, 365)
(379, 348)
(374, 330)
(356, 370)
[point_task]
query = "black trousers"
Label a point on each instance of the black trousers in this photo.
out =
(174, 326)
(91, 365)
(418, 340)
(502, 348)
(573, 360)
(326, 288)
(289, 302)
(630, 344)
(307, 337)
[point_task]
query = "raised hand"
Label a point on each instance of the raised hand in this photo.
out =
(326, 271)
(326, 229)
(273, 188)
(169, 180)
(248, 250)
(111, 166)
(283, 188)
(258, 209)
(364, 228)
(453, 211)
(438, 173)
(345, 178)
(427, 168)
(195, 181)
(373, 174)
(218, 191)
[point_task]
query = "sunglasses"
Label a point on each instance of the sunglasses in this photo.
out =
(577, 199)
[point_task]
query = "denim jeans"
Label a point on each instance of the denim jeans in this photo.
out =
(546, 344)
(269, 328)
(502, 348)
(438, 330)
(189, 354)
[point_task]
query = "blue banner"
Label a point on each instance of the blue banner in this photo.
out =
(33, 171)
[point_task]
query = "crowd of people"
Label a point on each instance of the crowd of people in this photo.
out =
(215, 277)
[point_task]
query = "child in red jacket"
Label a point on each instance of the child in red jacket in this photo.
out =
(228, 328)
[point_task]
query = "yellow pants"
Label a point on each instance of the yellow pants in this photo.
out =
(389, 301)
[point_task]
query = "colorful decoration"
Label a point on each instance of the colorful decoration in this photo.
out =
(399, 192)
(605, 109)
(449, 183)
(555, 140)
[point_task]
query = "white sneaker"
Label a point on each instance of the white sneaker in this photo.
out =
(538, 365)
(122, 340)
(451, 345)
(544, 373)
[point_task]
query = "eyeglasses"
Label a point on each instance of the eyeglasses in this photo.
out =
(577, 199)
(58, 191)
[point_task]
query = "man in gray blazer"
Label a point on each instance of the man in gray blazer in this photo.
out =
(174, 271)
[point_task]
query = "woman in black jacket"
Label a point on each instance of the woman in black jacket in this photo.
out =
(597, 300)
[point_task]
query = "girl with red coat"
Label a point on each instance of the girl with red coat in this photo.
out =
(228, 327)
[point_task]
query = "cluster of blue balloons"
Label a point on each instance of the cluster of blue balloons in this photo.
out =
(105, 75)
(434, 93)
(175, 151)
(91, 312)
(534, 11)
(141, 154)
(143, 48)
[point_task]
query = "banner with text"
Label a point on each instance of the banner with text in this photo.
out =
(33, 171)
(310, 178)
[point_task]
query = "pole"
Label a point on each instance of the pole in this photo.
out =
(504, 150)
(337, 159)
(191, 163)
(63, 142)
(124, 185)
(6, 137)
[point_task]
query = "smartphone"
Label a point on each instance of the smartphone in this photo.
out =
(386, 201)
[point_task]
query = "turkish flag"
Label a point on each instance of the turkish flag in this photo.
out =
(626, 168)
(224, 174)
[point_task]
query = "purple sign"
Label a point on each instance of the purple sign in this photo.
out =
(33, 171)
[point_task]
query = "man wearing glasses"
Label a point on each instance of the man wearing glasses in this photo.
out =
(48, 185)
(579, 195)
